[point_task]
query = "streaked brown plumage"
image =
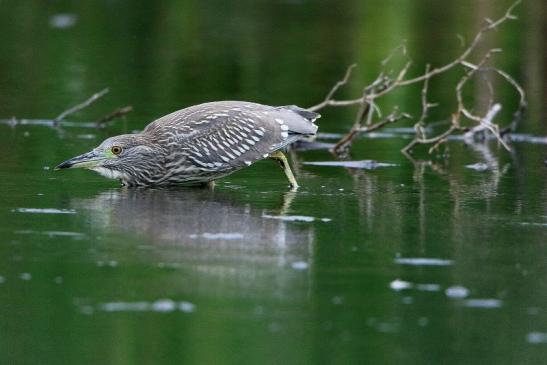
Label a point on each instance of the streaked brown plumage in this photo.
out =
(200, 144)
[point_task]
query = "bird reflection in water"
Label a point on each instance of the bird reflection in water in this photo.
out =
(212, 236)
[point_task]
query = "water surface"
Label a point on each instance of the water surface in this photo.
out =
(423, 260)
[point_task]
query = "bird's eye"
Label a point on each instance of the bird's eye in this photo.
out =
(116, 150)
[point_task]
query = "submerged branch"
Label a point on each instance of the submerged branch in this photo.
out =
(80, 106)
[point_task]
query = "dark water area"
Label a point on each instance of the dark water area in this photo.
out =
(419, 261)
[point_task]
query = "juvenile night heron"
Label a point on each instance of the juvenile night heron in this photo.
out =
(200, 144)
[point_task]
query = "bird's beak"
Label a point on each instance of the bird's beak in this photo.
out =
(87, 160)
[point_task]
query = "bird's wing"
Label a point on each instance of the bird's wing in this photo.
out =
(229, 134)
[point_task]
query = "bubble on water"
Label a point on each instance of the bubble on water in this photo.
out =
(408, 300)
(536, 337)
(25, 276)
(58, 280)
(423, 321)
(87, 310)
(428, 287)
(163, 305)
(337, 300)
(399, 284)
(186, 307)
(456, 292)
(62, 21)
(299, 265)
(483, 303)
(274, 327)
(2, 279)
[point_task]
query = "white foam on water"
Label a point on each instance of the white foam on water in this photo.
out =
(399, 284)
(479, 166)
(295, 218)
(164, 305)
(533, 224)
(423, 261)
(186, 307)
(52, 233)
(218, 236)
(44, 211)
(62, 21)
(456, 291)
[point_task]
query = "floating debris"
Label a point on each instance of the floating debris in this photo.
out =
(44, 210)
(479, 166)
(456, 292)
(295, 218)
(483, 303)
(363, 164)
(423, 261)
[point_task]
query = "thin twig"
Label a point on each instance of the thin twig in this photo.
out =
(80, 106)
(120, 112)
(334, 89)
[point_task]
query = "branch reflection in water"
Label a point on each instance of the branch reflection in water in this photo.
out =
(221, 244)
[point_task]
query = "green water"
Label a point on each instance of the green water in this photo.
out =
(417, 263)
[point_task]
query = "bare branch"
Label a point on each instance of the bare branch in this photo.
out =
(389, 85)
(80, 106)
(334, 89)
(342, 145)
(488, 27)
(120, 112)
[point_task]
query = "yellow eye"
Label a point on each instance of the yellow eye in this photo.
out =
(116, 150)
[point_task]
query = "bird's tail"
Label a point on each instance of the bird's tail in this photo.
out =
(304, 113)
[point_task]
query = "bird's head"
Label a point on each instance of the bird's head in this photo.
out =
(128, 157)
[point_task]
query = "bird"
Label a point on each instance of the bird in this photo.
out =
(200, 144)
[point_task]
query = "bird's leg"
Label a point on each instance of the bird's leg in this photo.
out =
(280, 157)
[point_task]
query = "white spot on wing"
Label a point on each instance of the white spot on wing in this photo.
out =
(280, 121)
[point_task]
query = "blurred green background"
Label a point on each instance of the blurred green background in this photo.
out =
(423, 262)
